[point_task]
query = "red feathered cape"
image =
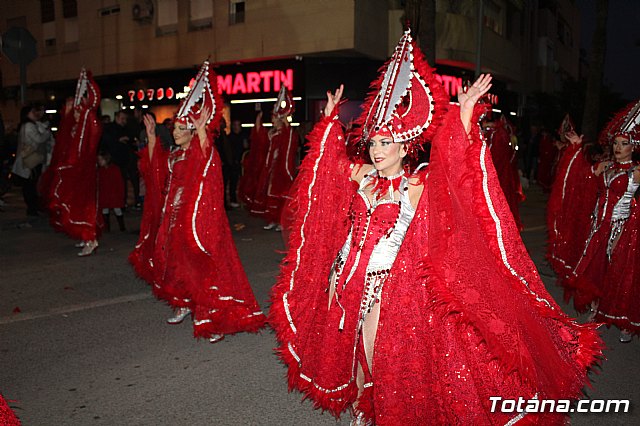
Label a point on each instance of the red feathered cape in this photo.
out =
(195, 262)
(573, 196)
(276, 178)
(252, 165)
(72, 199)
(505, 162)
(464, 314)
(154, 172)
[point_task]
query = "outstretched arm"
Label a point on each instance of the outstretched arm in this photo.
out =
(469, 98)
(150, 127)
(333, 99)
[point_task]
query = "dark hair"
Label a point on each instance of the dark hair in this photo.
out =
(106, 155)
(24, 115)
(149, 113)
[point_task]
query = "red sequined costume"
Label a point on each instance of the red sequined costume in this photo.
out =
(154, 171)
(47, 182)
(110, 187)
(273, 185)
(608, 269)
(252, 164)
(72, 202)
(194, 262)
(7, 416)
(569, 209)
(505, 161)
(445, 343)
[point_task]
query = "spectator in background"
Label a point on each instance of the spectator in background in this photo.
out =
(33, 137)
(115, 141)
(533, 151)
(110, 191)
(238, 143)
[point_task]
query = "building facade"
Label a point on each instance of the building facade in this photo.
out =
(144, 52)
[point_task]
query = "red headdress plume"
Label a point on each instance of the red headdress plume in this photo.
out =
(566, 126)
(87, 91)
(284, 106)
(625, 123)
(203, 93)
(406, 103)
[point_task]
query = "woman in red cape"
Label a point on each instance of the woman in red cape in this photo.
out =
(193, 264)
(505, 161)
(276, 178)
(573, 195)
(72, 200)
(63, 140)
(607, 273)
(425, 327)
(252, 164)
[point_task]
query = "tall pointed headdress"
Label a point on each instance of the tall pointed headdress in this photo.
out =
(284, 106)
(625, 123)
(87, 91)
(406, 102)
(203, 93)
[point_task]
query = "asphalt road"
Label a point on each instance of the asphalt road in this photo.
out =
(83, 342)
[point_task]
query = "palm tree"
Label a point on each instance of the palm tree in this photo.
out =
(596, 65)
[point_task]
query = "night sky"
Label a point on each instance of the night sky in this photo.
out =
(622, 63)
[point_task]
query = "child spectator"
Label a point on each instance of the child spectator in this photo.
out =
(110, 190)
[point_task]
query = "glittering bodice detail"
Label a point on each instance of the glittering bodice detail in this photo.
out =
(377, 231)
(617, 189)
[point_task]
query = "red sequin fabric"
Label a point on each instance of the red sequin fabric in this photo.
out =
(277, 174)
(194, 260)
(464, 314)
(72, 180)
(607, 269)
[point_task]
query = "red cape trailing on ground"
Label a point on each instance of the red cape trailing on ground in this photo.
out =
(440, 321)
(72, 192)
(191, 260)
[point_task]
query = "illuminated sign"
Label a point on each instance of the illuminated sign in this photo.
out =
(231, 84)
(151, 94)
(255, 82)
(452, 85)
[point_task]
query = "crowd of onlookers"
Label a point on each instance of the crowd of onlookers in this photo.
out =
(124, 135)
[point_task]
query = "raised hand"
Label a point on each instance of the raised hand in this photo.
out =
(480, 87)
(333, 99)
(469, 98)
(201, 125)
(573, 138)
(201, 121)
(150, 128)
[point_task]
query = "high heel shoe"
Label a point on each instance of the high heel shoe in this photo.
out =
(79, 245)
(215, 338)
(180, 315)
(625, 336)
(89, 248)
